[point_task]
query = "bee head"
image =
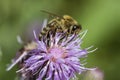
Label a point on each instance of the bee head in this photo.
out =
(72, 24)
(75, 28)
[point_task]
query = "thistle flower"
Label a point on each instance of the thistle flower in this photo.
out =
(60, 60)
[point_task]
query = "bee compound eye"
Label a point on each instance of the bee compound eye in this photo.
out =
(74, 27)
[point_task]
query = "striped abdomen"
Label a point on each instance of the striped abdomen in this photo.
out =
(49, 29)
(44, 32)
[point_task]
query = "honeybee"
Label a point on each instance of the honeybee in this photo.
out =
(61, 24)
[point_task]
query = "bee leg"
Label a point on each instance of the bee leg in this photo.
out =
(64, 36)
(54, 32)
(48, 39)
(40, 37)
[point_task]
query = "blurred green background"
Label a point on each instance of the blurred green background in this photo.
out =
(100, 17)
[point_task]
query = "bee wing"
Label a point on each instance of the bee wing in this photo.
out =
(44, 24)
(51, 14)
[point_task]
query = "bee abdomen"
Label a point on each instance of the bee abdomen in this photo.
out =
(46, 29)
(44, 32)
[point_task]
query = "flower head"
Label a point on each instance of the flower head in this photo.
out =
(55, 59)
